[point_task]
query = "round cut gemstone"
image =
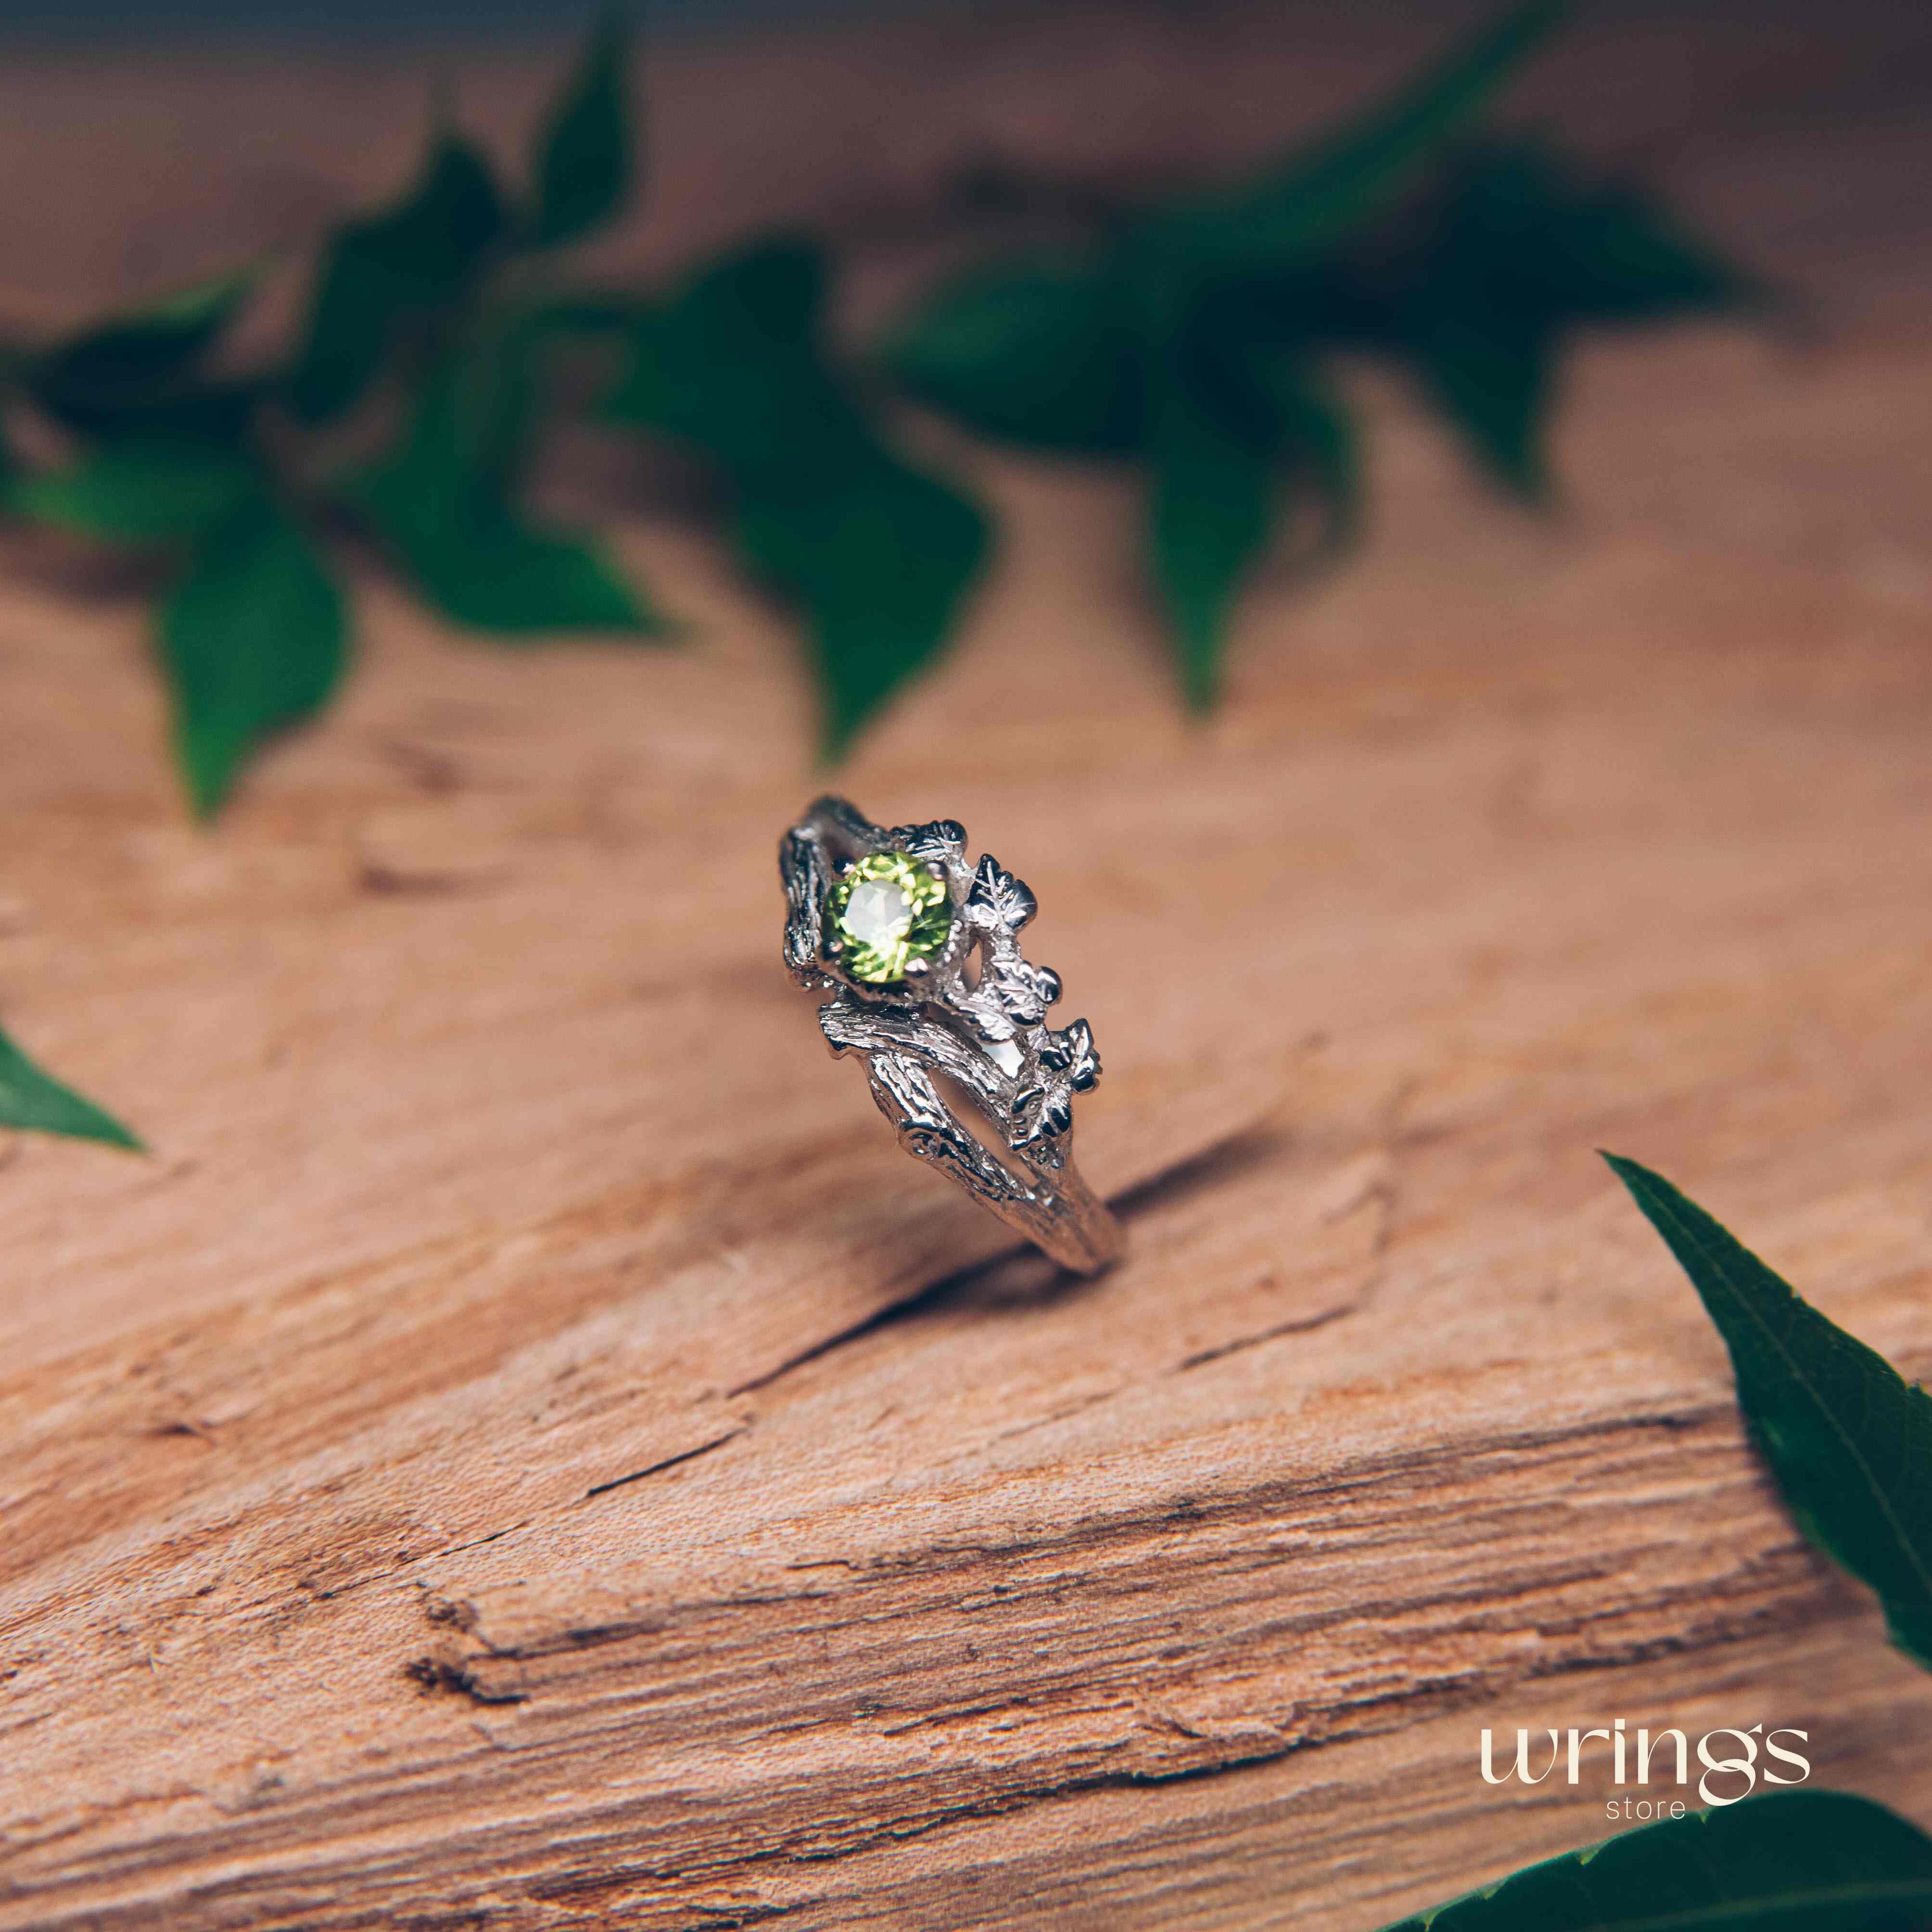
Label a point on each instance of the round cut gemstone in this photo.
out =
(888, 911)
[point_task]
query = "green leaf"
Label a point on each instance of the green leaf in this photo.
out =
(1790, 1861)
(410, 263)
(443, 502)
(1848, 1439)
(474, 422)
(1351, 175)
(253, 640)
(158, 337)
(483, 566)
(1210, 518)
(1493, 377)
(142, 489)
(1040, 352)
(34, 1100)
(1058, 351)
(1321, 442)
(1242, 426)
(140, 365)
(880, 561)
(582, 159)
(1522, 252)
(1523, 232)
(877, 555)
(732, 365)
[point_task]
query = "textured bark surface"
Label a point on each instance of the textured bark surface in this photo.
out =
(528, 1450)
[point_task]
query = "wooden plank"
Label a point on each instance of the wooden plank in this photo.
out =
(528, 1446)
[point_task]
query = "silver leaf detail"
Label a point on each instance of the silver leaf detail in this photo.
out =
(999, 898)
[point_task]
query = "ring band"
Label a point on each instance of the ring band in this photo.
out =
(921, 953)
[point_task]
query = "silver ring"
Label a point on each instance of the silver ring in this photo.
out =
(921, 952)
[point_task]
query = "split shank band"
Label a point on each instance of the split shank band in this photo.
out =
(920, 951)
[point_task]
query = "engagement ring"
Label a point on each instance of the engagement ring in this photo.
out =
(921, 952)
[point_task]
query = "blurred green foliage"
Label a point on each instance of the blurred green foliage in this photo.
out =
(1191, 339)
(874, 554)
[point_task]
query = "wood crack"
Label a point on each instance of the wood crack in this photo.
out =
(665, 1462)
(1304, 1325)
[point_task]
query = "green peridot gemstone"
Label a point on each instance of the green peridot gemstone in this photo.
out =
(887, 913)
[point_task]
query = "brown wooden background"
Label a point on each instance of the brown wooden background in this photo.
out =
(528, 1451)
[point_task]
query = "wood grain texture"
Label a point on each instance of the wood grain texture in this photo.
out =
(528, 1451)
